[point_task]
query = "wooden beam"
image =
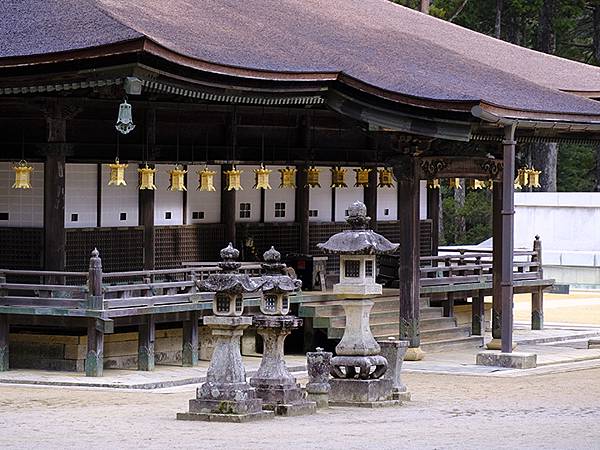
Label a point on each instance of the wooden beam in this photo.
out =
(433, 213)
(146, 340)
(4, 333)
(370, 195)
(228, 207)
(94, 361)
(189, 353)
(146, 220)
(54, 208)
(497, 258)
(537, 297)
(302, 208)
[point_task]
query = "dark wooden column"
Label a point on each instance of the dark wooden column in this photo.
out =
(408, 261)
(433, 214)
(227, 208)
(302, 207)
(496, 269)
(371, 198)
(54, 208)
(146, 220)
(508, 216)
(537, 298)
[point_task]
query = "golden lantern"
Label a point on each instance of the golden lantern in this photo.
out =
(22, 175)
(386, 178)
(455, 183)
(117, 173)
(288, 177)
(522, 179)
(534, 178)
(312, 177)
(362, 177)
(433, 184)
(206, 180)
(261, 178)
(177, 179)
(476, 184)
(338, 177)
(233, 179)
(147, 178)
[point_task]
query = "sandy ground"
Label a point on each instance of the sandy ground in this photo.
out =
(559, 411)
(579, 307)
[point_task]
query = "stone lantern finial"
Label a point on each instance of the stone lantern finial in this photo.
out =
(357, 216)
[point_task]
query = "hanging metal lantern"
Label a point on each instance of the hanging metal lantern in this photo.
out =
(124, 120)
(362, 177)
(147, 178)
(288, 177)
(433, 184)
(338, 177)
(312, 177)
(177, 179)
(233, 179)
(386, 178)
(261, 178)
(476, 184)
(522, 179)
(22, 175)
(534, 178)
(455, 183)
(117, 173)
(206, 180)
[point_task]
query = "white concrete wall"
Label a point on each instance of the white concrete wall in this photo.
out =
(25, 207)
(277, 195)
(117, 200)
(81, 195)
(344, 197)
(423, 200)
(249, 195)
(320, 198)
(208, 203)
(165, 200)
(387, 198)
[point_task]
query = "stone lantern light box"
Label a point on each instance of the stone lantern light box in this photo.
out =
(276, 285)
(358, 248)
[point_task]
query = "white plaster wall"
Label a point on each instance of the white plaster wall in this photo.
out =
(120, 199)
(285, 195)
(25, 207)
(199, 201)
(320, 198)
(249, 195)
(344, 197)
(81, 195)
(387, 198)
(166, 200)
(423, 200)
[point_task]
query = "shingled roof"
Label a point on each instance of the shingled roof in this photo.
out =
(374, 45)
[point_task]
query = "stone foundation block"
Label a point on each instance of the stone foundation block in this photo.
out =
(360, 391)
(594, 343)
(515, 360)
(290, 410)
(233, 418)
(321, 400)
(249, 406)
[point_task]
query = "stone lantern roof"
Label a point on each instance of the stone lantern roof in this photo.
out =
(229, 280)
(358, 240)
(275, 278)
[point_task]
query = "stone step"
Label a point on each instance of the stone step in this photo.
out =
(453, 344)
(381, 322)
(431, 329)
(382, 304)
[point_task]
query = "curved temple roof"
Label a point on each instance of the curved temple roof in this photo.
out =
(374, 45)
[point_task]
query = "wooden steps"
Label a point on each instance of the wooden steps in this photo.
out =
(437, 332)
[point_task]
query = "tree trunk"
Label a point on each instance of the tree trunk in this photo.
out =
(546, 39)
(498, 25)
(425, 6)
(597, 170)
(461, 224)
(544, 157)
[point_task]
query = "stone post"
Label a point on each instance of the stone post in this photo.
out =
(319, 366)
(394, 351)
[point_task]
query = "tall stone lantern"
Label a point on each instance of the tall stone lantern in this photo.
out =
(358, 367)
(273, 382)
(226, 396)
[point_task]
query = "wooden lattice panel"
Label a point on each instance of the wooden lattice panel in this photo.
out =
(21, 248)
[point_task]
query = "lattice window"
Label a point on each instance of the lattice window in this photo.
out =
(368, 268)
(280, 209)
(222, 303)
(245, 209)
(352, 268)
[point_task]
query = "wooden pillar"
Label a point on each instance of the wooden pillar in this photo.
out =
(408, 254)
(189, 353)
(54, 208)
(146, 339)
(497, 194)
(95, 350)
(4, 333)
(228, 207)
(537, 298)
(478, 307)
(371, 198)
(508, 216)
(302, 208)
(433, 213)
(146, 219)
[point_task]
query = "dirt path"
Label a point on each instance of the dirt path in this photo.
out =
(554, 411)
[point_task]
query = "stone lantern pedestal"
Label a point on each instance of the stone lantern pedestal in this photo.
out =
(273, 382)
(394, 350)
(226, 396)
(319, 367)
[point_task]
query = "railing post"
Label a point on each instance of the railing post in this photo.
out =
(478, 306)
(537, 298)
(146, 340)
(449, 303)
(189, 354)
(95, 293)
(4, 333)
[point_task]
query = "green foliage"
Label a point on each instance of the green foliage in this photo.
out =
(576, 165)
(477, 212)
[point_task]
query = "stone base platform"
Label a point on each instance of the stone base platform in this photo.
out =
(403, 396)
(233, 418)
(515, 360)
(594, 344)
(353, 391)
(381, 404)
(321, 400)
(292, 409)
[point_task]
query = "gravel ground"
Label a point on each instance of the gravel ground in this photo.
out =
(559, 411)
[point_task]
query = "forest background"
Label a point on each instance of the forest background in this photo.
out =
(566, 28)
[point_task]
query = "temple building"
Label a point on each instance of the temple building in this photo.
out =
(158, 133)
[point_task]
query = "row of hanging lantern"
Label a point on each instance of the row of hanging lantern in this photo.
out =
(528, 177)
(454, 183)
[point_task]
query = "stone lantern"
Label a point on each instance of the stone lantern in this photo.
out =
(358, 368)
(226, 396)
(273, 382)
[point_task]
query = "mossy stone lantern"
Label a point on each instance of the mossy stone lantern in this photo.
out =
(358, 248)
(229, 285)
(277, 285)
